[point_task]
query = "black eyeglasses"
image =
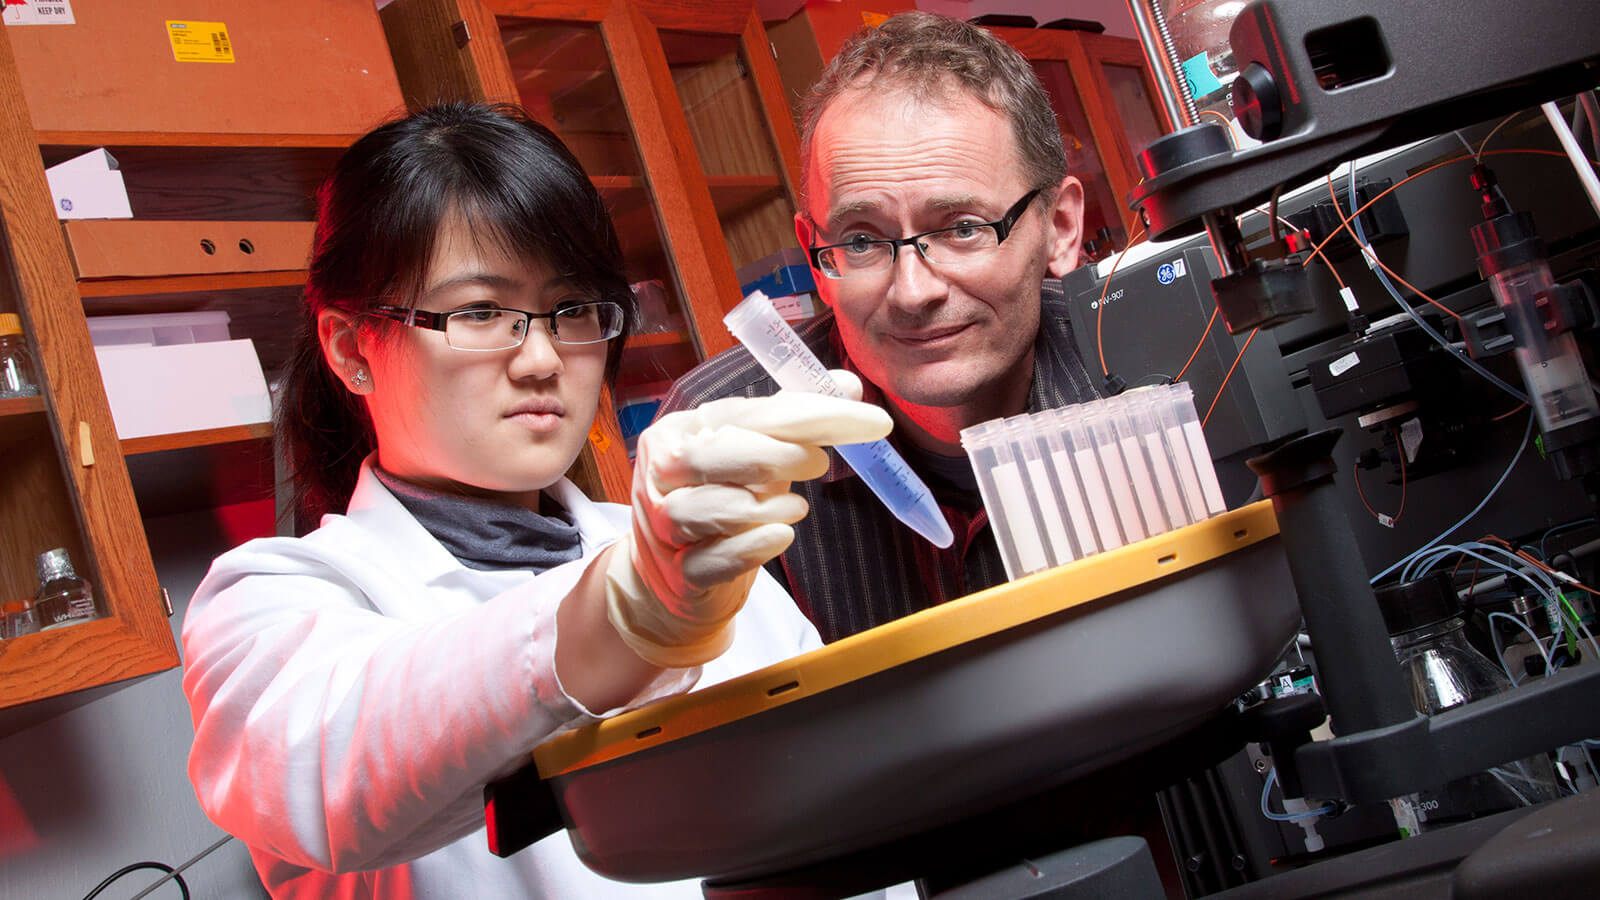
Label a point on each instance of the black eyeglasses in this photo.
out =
(954, 245)
(497, 328)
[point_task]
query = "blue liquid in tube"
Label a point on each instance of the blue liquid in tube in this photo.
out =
(793, 366)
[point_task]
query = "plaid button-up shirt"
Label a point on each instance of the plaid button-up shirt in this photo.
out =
(853, 565)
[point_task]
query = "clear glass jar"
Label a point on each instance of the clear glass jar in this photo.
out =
(63, 598)
(20, 618)
(1445, 671)
(16, 366)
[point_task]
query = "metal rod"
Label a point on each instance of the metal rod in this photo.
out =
(1162, 54)
(1586, 176)
(179, 870)
(1173, 61)
(1159, 52)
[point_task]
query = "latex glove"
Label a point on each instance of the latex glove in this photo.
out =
(711, 504)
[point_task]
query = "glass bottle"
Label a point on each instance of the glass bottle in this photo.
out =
(1444, 671)
(21, 618)
(16, 367)
(63, 597)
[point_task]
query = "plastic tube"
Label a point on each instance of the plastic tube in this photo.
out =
(1195, 438)
(795, 368)
(1042, 497)
(1000, 486)
(1139, 471)
(1068, 485)
(1095, 489)
(1141, 413)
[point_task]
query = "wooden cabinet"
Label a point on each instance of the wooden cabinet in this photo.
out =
(675, 109)
(1105, 103)
(1100, 86)
(224, 142)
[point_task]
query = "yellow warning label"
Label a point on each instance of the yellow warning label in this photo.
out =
(200, 42)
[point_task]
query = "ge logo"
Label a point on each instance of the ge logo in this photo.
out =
(1166, 274)
(66, 204)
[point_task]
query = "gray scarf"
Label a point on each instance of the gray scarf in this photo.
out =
(487, 534)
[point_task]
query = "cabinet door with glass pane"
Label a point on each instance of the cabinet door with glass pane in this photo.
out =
(1102, 97)
(65, 486)
(676, 112)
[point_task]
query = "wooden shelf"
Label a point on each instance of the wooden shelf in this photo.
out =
(197, 470)
(664, 357)
(178, 139)
(207, 469)
(21, 406)
(157, 443)
(179, 284)
(76, 657)
(731, 194)
(655, 339)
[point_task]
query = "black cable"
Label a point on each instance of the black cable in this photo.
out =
(1394, 292)
(134, 867)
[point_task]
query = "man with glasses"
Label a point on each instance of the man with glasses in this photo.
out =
(937, 213)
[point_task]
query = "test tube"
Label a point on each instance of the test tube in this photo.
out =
(1109, 452)
(1141, 413)
(1065, 478)
(1195, 437)
(1000, 484)
(1172, 430)
(1041, 493)
(1086, 459)
(794, 367)
(1118, 416)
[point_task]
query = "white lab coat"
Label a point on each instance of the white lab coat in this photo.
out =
(353, 690)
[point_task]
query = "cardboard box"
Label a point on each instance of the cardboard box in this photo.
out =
(183, 387)
(103, 248)
(778, 274)
(221, 66)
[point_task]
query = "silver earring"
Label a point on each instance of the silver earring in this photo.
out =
(359, 379)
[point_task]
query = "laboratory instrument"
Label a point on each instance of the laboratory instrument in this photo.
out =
(1321, 84)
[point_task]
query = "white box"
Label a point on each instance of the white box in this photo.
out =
(89, 187)
(183, 387)
(160, 329)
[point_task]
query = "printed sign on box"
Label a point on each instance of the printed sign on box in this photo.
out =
(38, 12)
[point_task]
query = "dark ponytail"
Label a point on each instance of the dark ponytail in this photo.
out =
(378, 215)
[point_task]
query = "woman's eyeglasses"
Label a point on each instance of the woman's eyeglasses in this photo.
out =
(498, 328)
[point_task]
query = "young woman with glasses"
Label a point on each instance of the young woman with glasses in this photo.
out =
(459, 601)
